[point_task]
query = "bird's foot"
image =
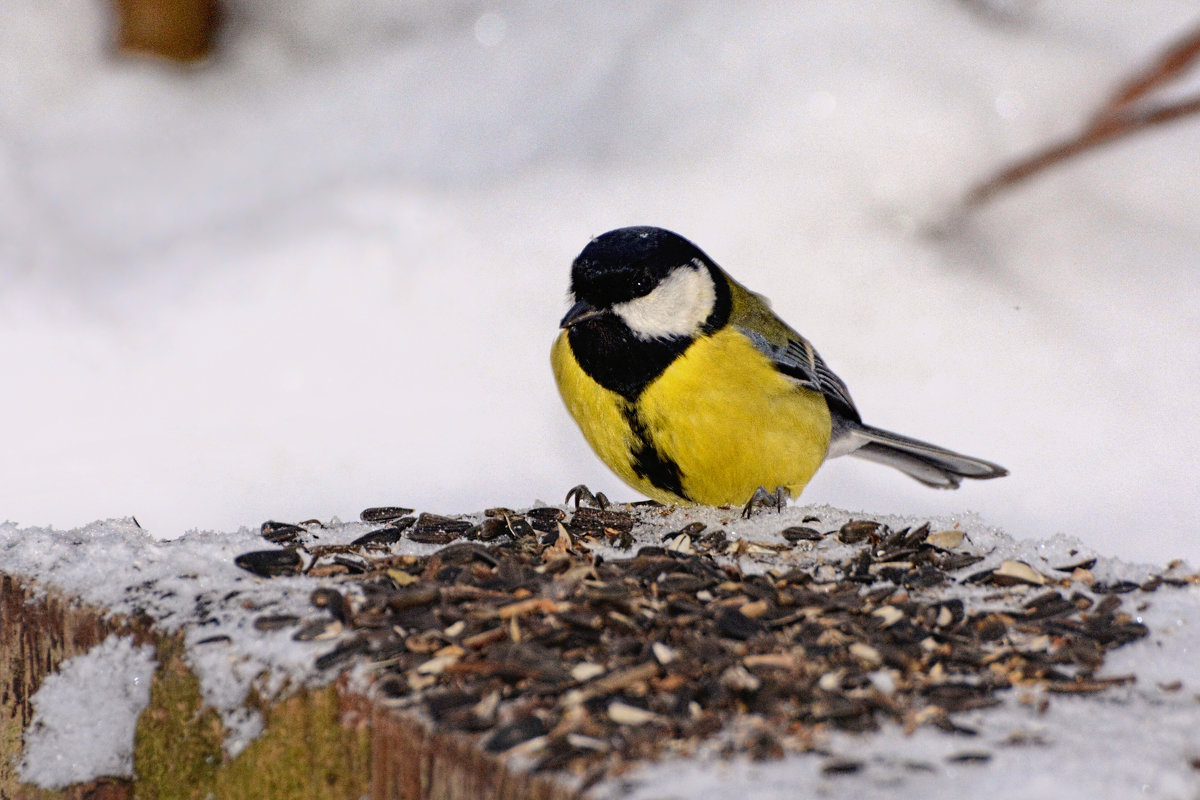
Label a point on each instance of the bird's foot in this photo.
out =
(581, 494)
(776, 500)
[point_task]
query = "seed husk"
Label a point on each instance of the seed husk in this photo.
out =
(799, 533)
(856, 531)
(626, 714)
(342, 653)
(514, 733)
(545, 518)
(945, 540)
(275, 622)
(332, 600)
(280, 532)
(387, 535)
(841, 767)
(596, 520)
(436, 529)
(318, 629)
(522, 636)
(736, 625)
(270, 563)
(1013, 572)
(383, 513)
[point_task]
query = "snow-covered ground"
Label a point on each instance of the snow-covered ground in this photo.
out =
(1138, 739)
(323, 272)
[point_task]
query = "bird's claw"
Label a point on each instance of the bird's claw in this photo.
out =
(582, 494)
(776, 500)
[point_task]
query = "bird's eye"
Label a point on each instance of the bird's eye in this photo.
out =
(643, 285)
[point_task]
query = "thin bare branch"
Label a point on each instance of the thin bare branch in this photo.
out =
(1169, 66)
(1128, 111)
(1112, 129)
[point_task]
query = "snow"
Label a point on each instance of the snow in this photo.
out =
(1078, 748)
(1135, 741)
(189, 584)
(84, 715)
(323, 271)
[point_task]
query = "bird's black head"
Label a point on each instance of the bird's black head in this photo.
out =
(626, 263)
(642, 296)
(654, 282)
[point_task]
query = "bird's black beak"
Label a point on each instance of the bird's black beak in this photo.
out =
(579, 312)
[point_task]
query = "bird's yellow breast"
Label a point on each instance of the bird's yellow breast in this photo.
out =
(721, 412)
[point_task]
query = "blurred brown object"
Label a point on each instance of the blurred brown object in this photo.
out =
(1128, 110)
(178, 30)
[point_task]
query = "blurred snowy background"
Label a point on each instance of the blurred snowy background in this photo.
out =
(323, 271)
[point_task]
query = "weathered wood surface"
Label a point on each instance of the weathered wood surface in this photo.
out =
(35, 637)
(318, 743)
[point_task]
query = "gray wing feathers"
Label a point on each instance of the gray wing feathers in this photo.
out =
(931, 465)
(799, 360)
(796, 358)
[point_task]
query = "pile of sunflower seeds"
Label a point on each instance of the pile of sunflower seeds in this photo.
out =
(516, 630)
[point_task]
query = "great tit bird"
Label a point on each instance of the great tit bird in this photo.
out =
(692, 391)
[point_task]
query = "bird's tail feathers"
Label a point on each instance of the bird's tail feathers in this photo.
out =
(931, 465)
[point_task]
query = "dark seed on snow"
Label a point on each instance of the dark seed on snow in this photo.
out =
(342, 653)
(269, 563)
(330, 599)
(435, 529)
(218, 639)
(520, 528)
(1116, 587)
(692, 529)
(598, 520)
(427, 536)
(274, 622)
(514, 733)
(956, 561)
(491, 528)
(280, 532)
(856, 531)
(841, 767)
(383, 513)
(799, 533)
(545, 518)
(355, 565)
(314, 629)
(382, 537)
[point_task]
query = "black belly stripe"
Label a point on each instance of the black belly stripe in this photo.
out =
(649, 462)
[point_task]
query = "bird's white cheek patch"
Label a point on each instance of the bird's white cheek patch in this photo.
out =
(677, 307)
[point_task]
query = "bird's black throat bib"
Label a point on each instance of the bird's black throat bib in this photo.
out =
(613, 357)
(609, 352)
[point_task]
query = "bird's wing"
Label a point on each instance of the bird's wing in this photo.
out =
(800, 361)
(791, 353)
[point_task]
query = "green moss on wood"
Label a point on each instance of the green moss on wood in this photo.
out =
(177, 749)
(305, 750)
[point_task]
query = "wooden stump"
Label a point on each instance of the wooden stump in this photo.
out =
(325, 742)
